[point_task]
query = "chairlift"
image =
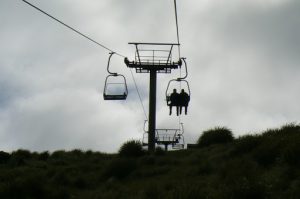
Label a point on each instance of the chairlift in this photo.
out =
(179, 136)
(177, 84)
(166, 137)
(115, 86)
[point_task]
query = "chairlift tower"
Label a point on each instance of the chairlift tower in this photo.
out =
(153, 58)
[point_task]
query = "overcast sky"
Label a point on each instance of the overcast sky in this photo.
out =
(243, 59)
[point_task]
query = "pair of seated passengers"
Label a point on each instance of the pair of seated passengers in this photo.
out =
(179, 100)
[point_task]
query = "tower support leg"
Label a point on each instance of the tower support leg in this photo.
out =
(152, 111)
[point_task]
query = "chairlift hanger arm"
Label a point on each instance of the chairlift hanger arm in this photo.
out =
(108, 64)
(186, 71)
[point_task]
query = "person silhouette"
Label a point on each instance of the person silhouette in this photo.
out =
(174, 101)
(184, 99)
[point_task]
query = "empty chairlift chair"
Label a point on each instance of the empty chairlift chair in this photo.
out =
(166, 137)
(115, 87)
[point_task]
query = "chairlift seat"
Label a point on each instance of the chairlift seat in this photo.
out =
(121, 95)
(178, 146)
(114, 97)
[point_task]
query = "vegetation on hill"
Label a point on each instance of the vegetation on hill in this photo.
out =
(217, 135)
(258, 166)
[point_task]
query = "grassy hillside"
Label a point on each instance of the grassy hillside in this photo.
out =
(256, 166)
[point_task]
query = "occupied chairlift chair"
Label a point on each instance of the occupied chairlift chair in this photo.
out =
(120, 87)
(179, 80)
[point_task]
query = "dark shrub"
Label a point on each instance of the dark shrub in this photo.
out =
(59, 154)
(31, 185)
(44, 156)
(267, 153)
(22, 154)
(60, 193)
(159, 151)
(291, 152)
(152, 191)
(132, 148)
(290, 128)
(147, 160)
(245, 188)
(89, 153)
(80, 182)
(246, 144)
(217, 135)
(287, 129)
(19, 157)
(4, 157)
(62, 178)
(77, 153)
(120, 168)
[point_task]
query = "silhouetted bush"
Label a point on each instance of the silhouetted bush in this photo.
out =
(44, 156)
(120, 168)
(29, 185)
(290, 128)
(80, 182)
(60, 193)
(245, 188)
(291, 153)
(4, 157)
(61, 177)
(132, 148)
(147, 160)
(22, 154)
(77, 153)
(152, 191)
(218, 135)
(58, 154)
(190, 190)
(204, 168)
(279, 144)
(267, 153)
(159, 151)
(287, 129)
(19, 157)
(246, 144)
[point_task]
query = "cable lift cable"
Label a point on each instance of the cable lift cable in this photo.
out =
(177, 27)
(73, 29)
(137, 90)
